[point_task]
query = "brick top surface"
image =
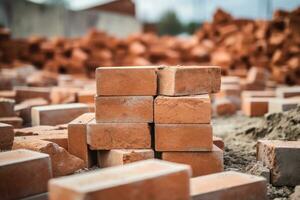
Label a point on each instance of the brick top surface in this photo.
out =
(204, 97)
(61, 106)
(129, 67)
(20, 155)
(4, 125)
(84, 118)
(281, 144)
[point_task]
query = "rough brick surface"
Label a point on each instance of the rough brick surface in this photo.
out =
(24, 93)
(255, 106)
(7, 107)
(202, 163)
(34, 130)
(23, 173)
(282, 157)
(147, 180)
(126, 81)
(57, 114)
(116, 157)
(185, 109)
(189, 80)
(106, 136)
(63, 163)
(77, 135)
(183, 137)
(227, 186)
(6, 136)
(124, 109)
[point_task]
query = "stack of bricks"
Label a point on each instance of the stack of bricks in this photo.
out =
(168, 109)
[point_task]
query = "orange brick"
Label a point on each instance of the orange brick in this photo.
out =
(116, 157)
(183, 137)
(227, 186)
(256, 106)
(189, 80)
(7, 107)
(106, 136)
(23, 173)
(77, 134)
(282, 158)
(63, 94)
(185, 109)
(126, 81)
(218, 142)
(24, 93)
(57, 114)
(147, 180)
(124, 109)
(6, 136)
(202, 163)
(224, 106)
(86, 96)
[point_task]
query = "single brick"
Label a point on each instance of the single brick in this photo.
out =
(77, 134)
(255, 106)
(185, 109)
(24, 93)
(106, 136)
(6, 136)
(183, 137)
(224, 106)
(227, 186)
(126, 81)
(123, 156)
(281, 105)
(61, 95)
(16, 122)
(189, 80)
(57, 114)
(286, 92)
(202, 163)
(7, 107)
(147, 180)
(282, 157)
(86, 96)
(130, 109)
(23, 173)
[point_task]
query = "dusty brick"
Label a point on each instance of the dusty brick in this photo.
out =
(227, 186)
(23, 93)
(282, 157)
(202, 163)
(124, 109)
(189, 80)
(57, 114)
(183, 137)
(187, 109)
(77, 138)
(106, 136)
(16, 122)
(126, 81)
(6, 136)
(255, 106)
(7, 107)
(281, 105)
(116, 157)
(147, 180)
(286, 92)
(86, 96)
(20, 169)
(63, 163)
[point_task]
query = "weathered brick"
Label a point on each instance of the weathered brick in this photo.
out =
(77, 138)
(281, 105)
(286, 92)
(7, 107)
(126, 81)
(202, 163)
(24, 93)
(57, 114)
(189, 80)
(114, 157)
(124, 109)
(183, 137)
(6, 136)
(106, 136)
(23, 173)
(16, 122)
(255, 106)
(227, 186)
(185, 109)
(282, 157)
(147, 180)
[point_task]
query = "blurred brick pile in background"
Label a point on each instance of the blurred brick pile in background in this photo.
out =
(234, 44)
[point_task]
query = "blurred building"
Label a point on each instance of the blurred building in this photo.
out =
(63, 18)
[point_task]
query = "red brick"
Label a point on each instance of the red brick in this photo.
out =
(202, 163)
(7, 107)
(183, 137)
(281, 105)
(86, 96)
(189, 80)
(286, 92)
(147, 180)
(218, 142)
(6, 136)
(77, 138)
(16, 122)
(185, 109)
(24, 93)
(63, 94)
(126, 81)
(255, 106)
(116, 157)
(227, 186)
(282, 157)
(23, 173)
(106, 136)
(124, 109)
(224, 106)
(57, 114)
